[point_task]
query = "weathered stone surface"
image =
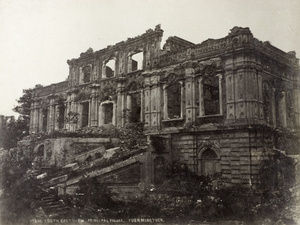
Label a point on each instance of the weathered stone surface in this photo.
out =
(222, 105)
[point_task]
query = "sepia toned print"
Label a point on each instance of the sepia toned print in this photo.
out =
(202, 133)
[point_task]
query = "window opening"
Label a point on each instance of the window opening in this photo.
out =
(61, 112)
(87, 70)
(135, 107)
(211, 96)
(40, 151)
(210, 163)
(110, 68)
(108, 113)
(174, 101)
(45, 120)
(85, 114)
(137, 61)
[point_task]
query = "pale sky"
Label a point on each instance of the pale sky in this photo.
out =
(37, 37)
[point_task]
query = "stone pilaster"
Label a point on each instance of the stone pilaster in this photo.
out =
(120, 120)
(282, 109)
(190, 105)
(147, 107)
(201, 102)
(155, 105)
(51, 116)
(220, 93)
(40, 120)
(165, 94)
(273, 108)
(94, 107)
(34, 114)
(142, 105)
(297, 107)
(56, 122)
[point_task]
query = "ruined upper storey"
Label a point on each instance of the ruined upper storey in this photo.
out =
(134, 54)
(235, 80)
(144, 53)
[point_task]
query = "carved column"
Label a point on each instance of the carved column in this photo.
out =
(93, 112)
(142, 105)
(35, 117)
(128, 102)
(103, 69)
(201, 102)
(282, 109)
(220, 93)
(123, 109)
(155, 105)
(120, 103)
(101, 115)
(94, 107)
(31, 118)
(129, 64)
(67, 112)
(51, 116)
(40, 119)
(147, 102)
(56, 122)
(72, 110)
(80, 75)
(128, 107)
(297, 107)
(182, 98)
(165, 102)
(273, 108)
(119, 109)
(190, 105)
(114, 114)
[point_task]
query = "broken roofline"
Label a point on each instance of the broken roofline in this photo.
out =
(237, 37)
(149, 34)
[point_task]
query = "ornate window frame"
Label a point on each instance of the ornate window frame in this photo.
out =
(201, 96)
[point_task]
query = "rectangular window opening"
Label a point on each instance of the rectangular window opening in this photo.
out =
(85, 114)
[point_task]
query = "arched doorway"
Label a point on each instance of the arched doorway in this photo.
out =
(208, 163)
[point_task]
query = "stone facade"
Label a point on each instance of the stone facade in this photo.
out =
(218, 106)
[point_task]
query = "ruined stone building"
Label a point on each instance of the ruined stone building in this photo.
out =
(218, 106)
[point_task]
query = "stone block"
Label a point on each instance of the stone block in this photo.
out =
(70, 167)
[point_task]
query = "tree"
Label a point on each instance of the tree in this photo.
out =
(13, 130)
(24, 103)
(23, 108)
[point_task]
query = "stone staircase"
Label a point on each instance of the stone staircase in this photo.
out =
(53, 207)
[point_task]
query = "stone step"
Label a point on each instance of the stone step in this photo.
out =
(47, 198)
(55, 203)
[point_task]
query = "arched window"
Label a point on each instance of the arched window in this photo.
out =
(208, 163)
(40, 151)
